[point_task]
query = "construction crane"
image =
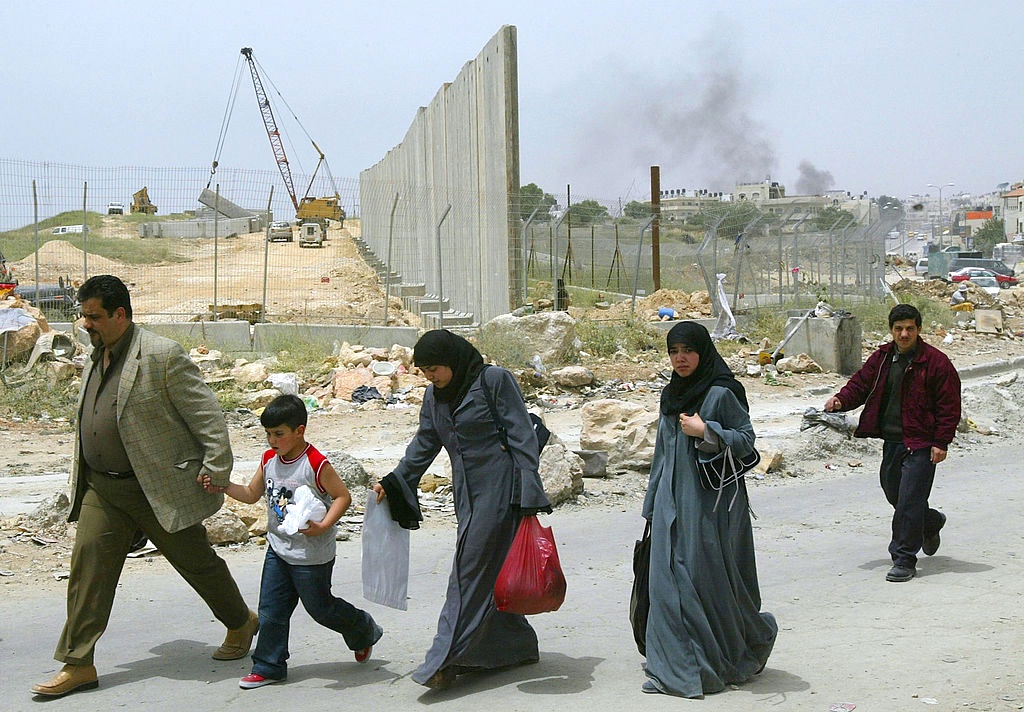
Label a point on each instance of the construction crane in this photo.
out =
(308, 208)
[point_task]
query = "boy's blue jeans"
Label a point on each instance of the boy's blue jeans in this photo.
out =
(281, 589)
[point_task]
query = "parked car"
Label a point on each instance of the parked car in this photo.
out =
(65, 229)
(921, 267)
(988, 284)
(280, 230)
(115, 208)
(965, 273)
(997, 266)
(58, 302)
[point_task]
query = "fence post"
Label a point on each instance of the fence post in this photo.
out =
(639, 249)
(35, 223)
(440, 281)
(266, 257)
(216, 250)
(85, 238)
(387, 263)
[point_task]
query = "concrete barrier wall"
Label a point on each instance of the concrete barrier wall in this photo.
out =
(460, 151)
(239, 337)
(201, 228)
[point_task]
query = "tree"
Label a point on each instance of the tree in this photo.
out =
(989, 235)
(637, 210)
(587, 212)
(887, 201)
(833, 217)
(531, 197)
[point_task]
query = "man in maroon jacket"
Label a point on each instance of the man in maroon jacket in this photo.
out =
(911, 396)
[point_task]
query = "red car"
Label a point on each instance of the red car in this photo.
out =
(962, 275)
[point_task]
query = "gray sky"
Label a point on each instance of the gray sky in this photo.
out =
(883, 97)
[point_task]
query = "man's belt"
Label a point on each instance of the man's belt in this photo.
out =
(127, 475)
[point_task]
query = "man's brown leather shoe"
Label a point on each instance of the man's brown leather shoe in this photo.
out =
(238, 640)
(69, 679)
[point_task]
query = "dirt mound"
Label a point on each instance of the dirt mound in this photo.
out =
(59, 258)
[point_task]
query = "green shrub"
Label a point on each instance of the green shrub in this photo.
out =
(606, 338)
(37, 395)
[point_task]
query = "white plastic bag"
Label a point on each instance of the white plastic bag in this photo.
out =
(385, 556)
(304, 507)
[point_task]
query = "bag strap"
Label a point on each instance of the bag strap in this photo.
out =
(498, 424)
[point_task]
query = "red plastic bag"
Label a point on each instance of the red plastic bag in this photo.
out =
(531, 579)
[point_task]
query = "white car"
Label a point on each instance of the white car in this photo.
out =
(988, 284)
(921, 267)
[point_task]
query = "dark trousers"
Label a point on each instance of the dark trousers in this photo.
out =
(282, 587)
(906, 477)
(112, 511)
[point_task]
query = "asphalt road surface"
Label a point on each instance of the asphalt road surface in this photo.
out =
(951, 639)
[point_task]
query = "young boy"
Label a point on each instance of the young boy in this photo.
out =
(297, 567)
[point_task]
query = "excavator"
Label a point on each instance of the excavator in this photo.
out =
(308, 209)
(141, 204)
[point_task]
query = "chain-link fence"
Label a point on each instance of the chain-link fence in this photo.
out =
(770, 260)
(220, 267)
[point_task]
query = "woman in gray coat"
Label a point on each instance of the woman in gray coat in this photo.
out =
(493, 489)
(705, 629)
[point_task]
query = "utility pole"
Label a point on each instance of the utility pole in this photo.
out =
(655, 234)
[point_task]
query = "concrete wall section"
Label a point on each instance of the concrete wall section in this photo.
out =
(271, 338)
(460, 151)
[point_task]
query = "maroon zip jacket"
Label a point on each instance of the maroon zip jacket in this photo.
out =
(930, 396)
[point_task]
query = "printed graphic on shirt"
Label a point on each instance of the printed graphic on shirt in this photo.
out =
(279, 498)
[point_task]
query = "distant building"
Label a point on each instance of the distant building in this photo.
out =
(1011, 205)
(769, 196)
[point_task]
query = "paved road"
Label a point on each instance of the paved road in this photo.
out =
(953, 635)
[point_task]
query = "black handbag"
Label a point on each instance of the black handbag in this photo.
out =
(640, 598)
(724, 469)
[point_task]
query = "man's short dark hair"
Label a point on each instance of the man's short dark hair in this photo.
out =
(111, 292)
(284, 410)
(904, 311)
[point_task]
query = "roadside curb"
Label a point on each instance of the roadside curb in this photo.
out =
(993, 367)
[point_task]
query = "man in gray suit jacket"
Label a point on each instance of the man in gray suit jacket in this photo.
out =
(149, 428)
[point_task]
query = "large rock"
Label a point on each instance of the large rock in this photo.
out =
(561, 471)
(548, 334)
(626, 431)
(20, 341)
(247, 374)
(226, 527)
(573, 376)
(346, 380)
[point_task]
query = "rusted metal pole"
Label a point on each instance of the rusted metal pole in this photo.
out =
(655, 235)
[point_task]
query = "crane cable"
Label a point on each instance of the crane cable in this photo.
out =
(297, 121)
(226, 121)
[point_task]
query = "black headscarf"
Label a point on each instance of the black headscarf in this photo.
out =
(441, 347)
(685, 395)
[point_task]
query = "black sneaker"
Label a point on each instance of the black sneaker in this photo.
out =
(899, 574)
(930, 543)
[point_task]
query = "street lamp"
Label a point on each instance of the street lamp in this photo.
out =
(940, 187)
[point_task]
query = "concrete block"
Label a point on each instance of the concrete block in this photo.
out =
(230, 335)
(432, 320)
(412, 290)
(833, 342)
(271, 338)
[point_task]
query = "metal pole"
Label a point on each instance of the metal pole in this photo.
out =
(526, 226)
(639, 249)
(440, 280)
(266, 257)
(85, 238)
(216, 226)
(655, 232)
(35, 221)
(387, 263)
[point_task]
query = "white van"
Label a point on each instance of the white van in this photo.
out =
(64, 229)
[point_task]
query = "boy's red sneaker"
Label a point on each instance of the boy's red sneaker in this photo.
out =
(252, 681)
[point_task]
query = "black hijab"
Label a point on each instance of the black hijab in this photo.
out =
(685, 395)
(441, 347)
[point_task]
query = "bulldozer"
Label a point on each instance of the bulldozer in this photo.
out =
(141, 204)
